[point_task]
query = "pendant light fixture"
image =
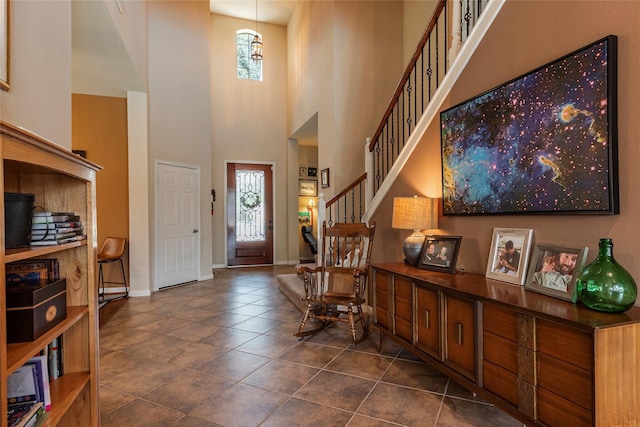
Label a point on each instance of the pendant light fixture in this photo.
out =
(256, 44)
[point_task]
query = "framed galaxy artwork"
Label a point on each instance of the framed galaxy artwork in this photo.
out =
(545, 142)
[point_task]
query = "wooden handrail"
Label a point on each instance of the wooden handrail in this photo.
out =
(348, 188)
(410, 67)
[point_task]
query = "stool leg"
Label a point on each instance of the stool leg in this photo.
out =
(100, 283)
(124, 279)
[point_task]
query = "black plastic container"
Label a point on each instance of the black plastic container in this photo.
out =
(18, 214)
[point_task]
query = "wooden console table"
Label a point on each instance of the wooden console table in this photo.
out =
(543, 360)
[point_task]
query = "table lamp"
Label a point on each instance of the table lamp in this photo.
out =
(413, 213)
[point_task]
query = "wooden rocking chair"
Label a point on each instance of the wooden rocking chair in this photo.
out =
(335, 289)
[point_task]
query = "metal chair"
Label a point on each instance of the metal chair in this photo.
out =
(112, 250)
(335, 290)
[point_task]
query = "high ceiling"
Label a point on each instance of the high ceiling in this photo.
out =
(270, 11)
(101, 64)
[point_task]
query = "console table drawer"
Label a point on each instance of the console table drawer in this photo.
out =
(553, 410)
(501, 352)
(566, 380)
(403, 329)
(500, 321)
(568, 344)
(382, 317)
(501, 382)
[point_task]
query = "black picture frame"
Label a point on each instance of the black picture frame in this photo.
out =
(312, 172)
(432, 256)
(324, 178)
(544, 142)
(553, 270)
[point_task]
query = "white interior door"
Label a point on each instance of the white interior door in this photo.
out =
(178, 242)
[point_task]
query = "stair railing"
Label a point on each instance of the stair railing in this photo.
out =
(420, 81)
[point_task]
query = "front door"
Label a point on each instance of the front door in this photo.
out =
(249, 214)
(177, 248)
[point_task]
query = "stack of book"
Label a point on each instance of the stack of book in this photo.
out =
(56, 228)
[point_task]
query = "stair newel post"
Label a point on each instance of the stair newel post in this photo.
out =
(456, 34)
(368, 168)
(322, 216)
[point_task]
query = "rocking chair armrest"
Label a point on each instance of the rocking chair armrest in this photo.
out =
(301, 269)
(359, 272)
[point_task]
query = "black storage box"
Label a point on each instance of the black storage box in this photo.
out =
(34, 307)
(18, 214)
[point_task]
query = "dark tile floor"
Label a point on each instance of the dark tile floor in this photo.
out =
(222, 353)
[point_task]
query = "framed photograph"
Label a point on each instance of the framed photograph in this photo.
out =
(439, 253)
(532, 146)
(302, 171)
(324, 178)
(307, 188)
(509, 254)
(553, 270)
(312, 171)
(4, 44)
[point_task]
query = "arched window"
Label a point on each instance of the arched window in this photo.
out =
(247, 67)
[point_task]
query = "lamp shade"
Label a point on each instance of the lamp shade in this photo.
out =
(412, 213)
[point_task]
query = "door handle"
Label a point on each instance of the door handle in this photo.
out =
(195, 230)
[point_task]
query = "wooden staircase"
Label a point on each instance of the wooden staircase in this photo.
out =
(438, 61)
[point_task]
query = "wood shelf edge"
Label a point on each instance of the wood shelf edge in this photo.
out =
(12, 255)
(64, 392)
(19, 353)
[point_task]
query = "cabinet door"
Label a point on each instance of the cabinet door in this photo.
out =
(460, 343)
(427, 321)
(402, 308)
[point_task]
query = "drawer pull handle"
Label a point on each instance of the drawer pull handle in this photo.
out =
(459, 330)
(427, 324)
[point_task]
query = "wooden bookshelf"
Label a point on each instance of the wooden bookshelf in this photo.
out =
(60, 181)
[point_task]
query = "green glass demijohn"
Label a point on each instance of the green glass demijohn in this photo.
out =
(604, 285)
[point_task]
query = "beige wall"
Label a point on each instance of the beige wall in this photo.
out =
(512, 47)
(100, 129)
(179, 103)
(416, 15)
(40, 73)
(248, 122)
(344, 63)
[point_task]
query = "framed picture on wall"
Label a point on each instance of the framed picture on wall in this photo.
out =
(307, 188)
(312, 171)
(324, 178)
(4, 44)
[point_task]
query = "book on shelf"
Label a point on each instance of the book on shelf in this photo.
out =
(40, 233)
(29, 270)
(53, 217)
(60, 241)
(24, 414)
(53, 236)
(42, 368)
(55, 358)
(22, 385)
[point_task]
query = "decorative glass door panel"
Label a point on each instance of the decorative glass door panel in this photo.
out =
(249, 214)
